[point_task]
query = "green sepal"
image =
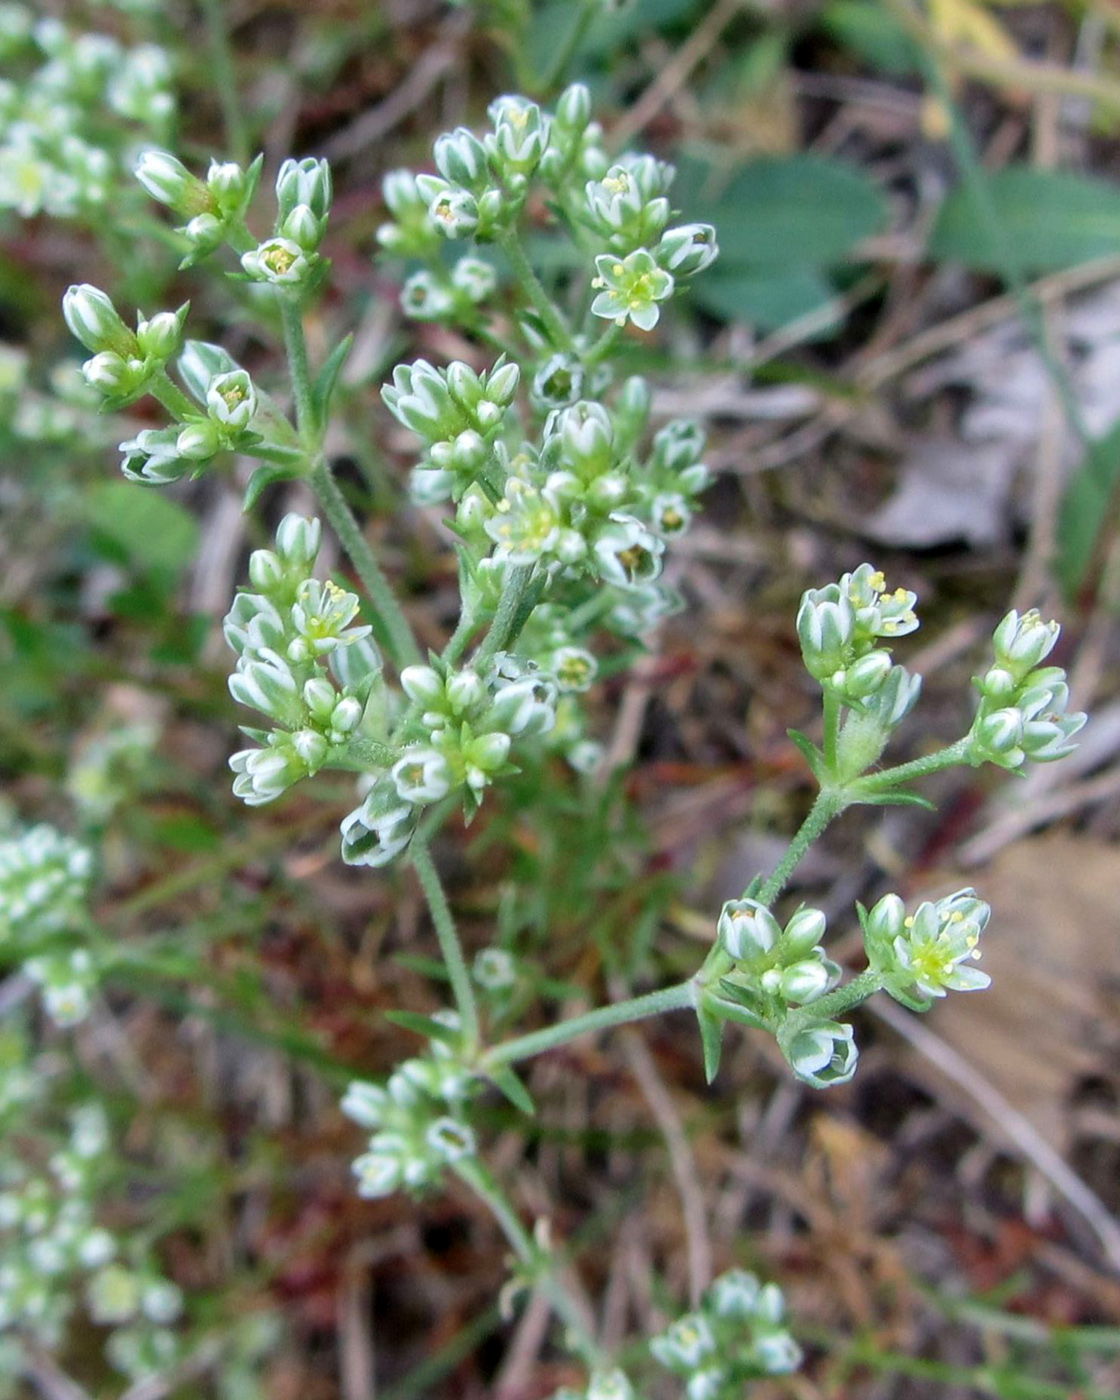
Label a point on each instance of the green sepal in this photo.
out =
(261, 479)
(426, 1026)
(504, 1080)
(711, 1038)
(325, 380)
(810, 753)
(751, 892)
(732, 1009)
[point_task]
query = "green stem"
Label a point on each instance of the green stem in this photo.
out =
(502, 629)
(619, 1013)
(829, 804)
(522, 269)
(295, 343)
(481, 1181)
(834, 1004)
(831, 729)
(172, 397)
(889, 778)
(603, 346)
(224, 78)
(402, 644)
(449, 943)
(459, 639)
(553, 75)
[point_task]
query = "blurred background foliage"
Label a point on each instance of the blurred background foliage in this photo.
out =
(910, 346)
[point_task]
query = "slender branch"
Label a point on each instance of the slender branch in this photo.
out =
(402, 644)
(619, 1013)
(449, 943)
(459, 639)
(481, 1180)
(829, 804)
(831, 728)
(888, 778)
(295, 343)
(558, 332)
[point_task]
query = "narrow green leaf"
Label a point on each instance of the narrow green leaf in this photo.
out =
(511, 1086)
(261, 479)
(325, 381)
(897, 798)
(809, 752)
(427, 1026)
(711, 1038)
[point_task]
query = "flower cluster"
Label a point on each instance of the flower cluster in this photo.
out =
(44, 883)
(291, 637)
(44, 888)
(124, 362)
(774, 968)
(621, 212)
(610, 1384)
(583, 504)
(416, 1119)
(55, 1252)
(468, 722)
(58, 154)
(1023, 705)
(459, 415)
(842, 628)
(923, 955)
(290, 259)
(213, 209)
(736, 1335)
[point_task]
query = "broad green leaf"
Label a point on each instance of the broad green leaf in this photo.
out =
(1043, 220)
(788, 212)
(767, 298)
(152, 530)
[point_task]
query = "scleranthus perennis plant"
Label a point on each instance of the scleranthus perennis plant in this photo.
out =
(563, 505)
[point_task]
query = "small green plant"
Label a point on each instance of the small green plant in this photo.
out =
(562, 504)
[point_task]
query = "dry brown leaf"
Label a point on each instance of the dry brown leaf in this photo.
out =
(1052, 1013)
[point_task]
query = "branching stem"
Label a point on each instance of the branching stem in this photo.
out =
(449, 943)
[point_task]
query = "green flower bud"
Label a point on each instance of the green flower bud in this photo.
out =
(198, 442)
(169, 181)
(92, 319)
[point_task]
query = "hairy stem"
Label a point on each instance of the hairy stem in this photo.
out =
(558, 332)
(450, 946)
(834, 1004)
(888, 778)
(169, 394)
(502, 632)
(829, 804)
(619, 1013)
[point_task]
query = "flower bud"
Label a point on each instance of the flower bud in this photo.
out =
(198, 441)
(460, 158)
(306, 182)
(747, 929)
(804, 931)
(804, 981)
(93, 319)
(822, 1055)
(169, 181)
(573, 108)
(161, 335)
(297, 542)
(687, 250)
